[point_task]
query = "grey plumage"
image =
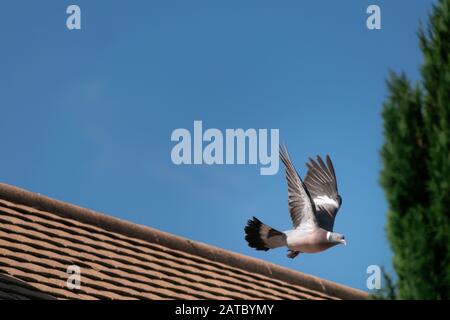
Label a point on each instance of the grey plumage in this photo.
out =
(263, 237)
(313, 205)
(300, 206)
(322, 186)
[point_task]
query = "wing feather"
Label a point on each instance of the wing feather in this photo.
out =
(321, 184)
(301, 207)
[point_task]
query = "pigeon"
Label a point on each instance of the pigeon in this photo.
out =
(313, 205)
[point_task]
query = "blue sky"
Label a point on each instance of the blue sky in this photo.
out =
(86, 116)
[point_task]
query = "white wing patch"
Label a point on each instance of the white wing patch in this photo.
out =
(325, 200)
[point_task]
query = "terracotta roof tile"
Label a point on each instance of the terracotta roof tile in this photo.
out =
(41, 237)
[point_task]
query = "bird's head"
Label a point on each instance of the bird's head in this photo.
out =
(336, 238)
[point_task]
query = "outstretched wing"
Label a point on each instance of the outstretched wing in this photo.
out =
(300, 205)
(322, 186)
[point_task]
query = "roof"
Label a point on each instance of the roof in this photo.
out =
(40, 237)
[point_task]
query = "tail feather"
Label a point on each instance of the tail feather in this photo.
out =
(263, 237)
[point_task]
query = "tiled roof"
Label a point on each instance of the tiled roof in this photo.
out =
(40, 237)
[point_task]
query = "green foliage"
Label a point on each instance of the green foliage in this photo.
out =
(416, 171)
(388, 291)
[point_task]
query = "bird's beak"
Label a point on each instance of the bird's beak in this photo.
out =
(344, 242)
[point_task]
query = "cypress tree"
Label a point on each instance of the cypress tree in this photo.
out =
(435, 45)
(416, 167)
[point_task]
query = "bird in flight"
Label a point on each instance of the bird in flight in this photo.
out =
(313, 205)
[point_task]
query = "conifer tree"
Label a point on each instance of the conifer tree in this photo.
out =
(416, 167)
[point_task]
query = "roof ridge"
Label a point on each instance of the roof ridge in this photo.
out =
(113, 224)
